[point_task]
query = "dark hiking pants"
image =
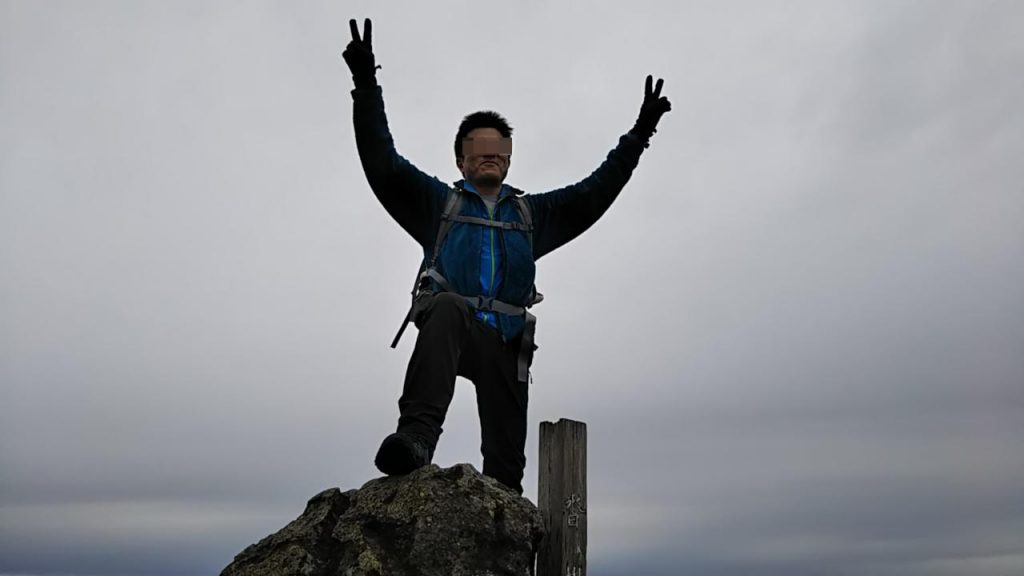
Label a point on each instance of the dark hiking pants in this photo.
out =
(451, 342)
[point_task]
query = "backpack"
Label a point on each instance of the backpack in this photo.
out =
(427, 272)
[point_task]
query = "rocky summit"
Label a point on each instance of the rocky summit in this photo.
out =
(434, 521)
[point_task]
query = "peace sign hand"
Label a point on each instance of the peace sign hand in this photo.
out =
(654, 106)
(359, 55)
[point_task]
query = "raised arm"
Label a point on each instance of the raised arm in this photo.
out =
(410, 196)
(562, 215)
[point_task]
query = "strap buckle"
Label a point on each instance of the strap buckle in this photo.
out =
(483, 303)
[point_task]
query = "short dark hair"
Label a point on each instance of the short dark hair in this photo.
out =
(481, 119)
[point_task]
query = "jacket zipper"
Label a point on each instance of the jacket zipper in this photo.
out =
(490, 216)
(504, 267)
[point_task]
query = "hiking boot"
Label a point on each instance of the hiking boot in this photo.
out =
(401, 453)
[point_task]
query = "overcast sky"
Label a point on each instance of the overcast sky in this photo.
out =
(797, 337)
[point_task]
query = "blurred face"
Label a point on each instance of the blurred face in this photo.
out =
(486, 157)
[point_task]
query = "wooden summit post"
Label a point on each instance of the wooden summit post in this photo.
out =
(562, 498)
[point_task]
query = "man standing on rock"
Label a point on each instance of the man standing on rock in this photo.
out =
(481, 239)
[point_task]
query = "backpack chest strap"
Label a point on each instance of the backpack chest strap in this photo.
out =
(491, 223)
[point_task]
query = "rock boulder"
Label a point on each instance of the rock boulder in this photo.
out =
(434, 521)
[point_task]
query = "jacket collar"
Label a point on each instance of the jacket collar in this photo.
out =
(506, 190)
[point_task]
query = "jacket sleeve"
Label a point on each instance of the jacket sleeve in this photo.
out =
(562, 215)
(410, 196)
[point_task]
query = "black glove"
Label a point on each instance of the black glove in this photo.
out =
(650, 112)
(359, 56)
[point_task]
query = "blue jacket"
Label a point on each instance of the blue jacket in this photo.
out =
(416, 200)
(491, 260)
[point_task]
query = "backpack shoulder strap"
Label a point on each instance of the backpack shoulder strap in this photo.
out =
(451, 209)
(526, 216)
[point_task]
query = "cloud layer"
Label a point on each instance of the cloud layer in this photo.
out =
(795, 337)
